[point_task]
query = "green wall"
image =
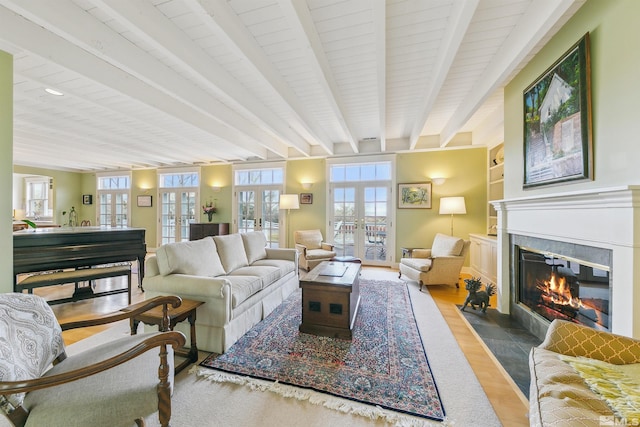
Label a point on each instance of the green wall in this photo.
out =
(6, 178)
(615, 61)
(465, 171)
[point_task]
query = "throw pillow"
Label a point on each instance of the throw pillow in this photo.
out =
(30, 339)
(231, 251)
(255, 245)
(195, 258)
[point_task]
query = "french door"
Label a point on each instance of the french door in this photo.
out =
(258, 210)
(360, 220)
(113, 208)
(177, 210)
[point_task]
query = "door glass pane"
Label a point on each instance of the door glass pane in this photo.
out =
(104, 215)
(246, 211)
(187, 213)
(375, 218)
(345, 224)
(271, 217)
(168, 217)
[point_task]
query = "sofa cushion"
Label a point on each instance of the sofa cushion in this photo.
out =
(255, 246)
(312, 239)
(267, 274)
(285, 266)
(444, 245)
(319, 254)
(242, 287)
(196, 258)
(559, 396)
(420, 264)
(231, 251)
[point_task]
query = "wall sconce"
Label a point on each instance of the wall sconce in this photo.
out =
(438, 180)
(307, 185)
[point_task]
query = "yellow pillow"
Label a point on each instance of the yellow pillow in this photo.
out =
(619, 385)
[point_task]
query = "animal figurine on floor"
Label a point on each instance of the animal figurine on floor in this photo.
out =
(476, 296)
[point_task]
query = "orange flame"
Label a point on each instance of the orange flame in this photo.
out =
(557, 291)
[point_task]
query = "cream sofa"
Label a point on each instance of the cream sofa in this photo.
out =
(573, 356)
(439, 265)
(240, 280)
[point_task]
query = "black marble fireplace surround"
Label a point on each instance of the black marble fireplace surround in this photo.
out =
(526, 316)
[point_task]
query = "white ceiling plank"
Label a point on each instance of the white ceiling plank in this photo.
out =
(147, 22)
(225, 23)
(540, 18)
(77, 28)
(462, 14)
(380, 28)
(298, 16)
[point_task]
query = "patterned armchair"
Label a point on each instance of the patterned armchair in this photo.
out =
(439, 265)
(111, 384)
(312, 249)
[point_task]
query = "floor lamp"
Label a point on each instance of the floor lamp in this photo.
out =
(451, 206)
(288, 202)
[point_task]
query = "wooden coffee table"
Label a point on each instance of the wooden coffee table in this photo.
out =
(330, 299)
(186, 311)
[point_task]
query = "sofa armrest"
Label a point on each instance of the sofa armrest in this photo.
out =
(573, 339)
(421, 253)
(151, 266)
(287, 254)
(326, 246)
(184, 284)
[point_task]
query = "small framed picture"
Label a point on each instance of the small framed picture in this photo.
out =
(306, 198)
(414, 196)
(144, 201)
(87, 199)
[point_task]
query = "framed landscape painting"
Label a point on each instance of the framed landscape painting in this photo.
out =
(557, 121)
(414, 196)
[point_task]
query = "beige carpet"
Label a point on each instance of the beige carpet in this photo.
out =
(200, 402)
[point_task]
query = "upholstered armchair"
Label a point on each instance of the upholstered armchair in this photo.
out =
(439, 265)
(115, 383)
(312, 250)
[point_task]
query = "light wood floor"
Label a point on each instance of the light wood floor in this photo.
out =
(510, 404)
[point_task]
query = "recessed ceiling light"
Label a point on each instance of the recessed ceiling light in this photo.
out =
(53, 92)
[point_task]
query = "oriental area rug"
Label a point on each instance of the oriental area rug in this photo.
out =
(383, 372)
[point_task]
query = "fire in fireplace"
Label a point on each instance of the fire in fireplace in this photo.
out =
(560, 287)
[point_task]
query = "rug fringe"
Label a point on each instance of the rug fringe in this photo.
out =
(322, 399)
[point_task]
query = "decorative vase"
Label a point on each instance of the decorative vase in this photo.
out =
(210, 216)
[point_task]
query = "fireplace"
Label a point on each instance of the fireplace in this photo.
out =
(594, 227)
(555, 286)
(559, 280)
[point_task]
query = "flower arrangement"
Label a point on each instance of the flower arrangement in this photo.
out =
(209, 209)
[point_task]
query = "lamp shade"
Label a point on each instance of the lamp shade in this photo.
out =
(289, 201)
(452, 205)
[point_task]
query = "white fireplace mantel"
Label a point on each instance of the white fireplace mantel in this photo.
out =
(605, 217)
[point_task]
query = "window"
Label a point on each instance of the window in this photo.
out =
(39, 198)
(358, 172)
(259, 176)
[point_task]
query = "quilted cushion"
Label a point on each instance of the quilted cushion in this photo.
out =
(231, 251)
(267, 274)
(196, 258)
(255, 245)
(444, 245)
(242, 287)
(562, 398)
(30, 339)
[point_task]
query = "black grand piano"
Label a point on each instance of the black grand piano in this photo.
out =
(57, 248)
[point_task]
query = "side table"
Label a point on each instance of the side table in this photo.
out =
(186, 311)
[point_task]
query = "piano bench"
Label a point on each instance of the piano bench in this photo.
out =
(75, 276)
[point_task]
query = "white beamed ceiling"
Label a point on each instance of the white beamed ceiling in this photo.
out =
(155, 83)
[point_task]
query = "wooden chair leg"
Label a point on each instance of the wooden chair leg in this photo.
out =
(164, 389)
